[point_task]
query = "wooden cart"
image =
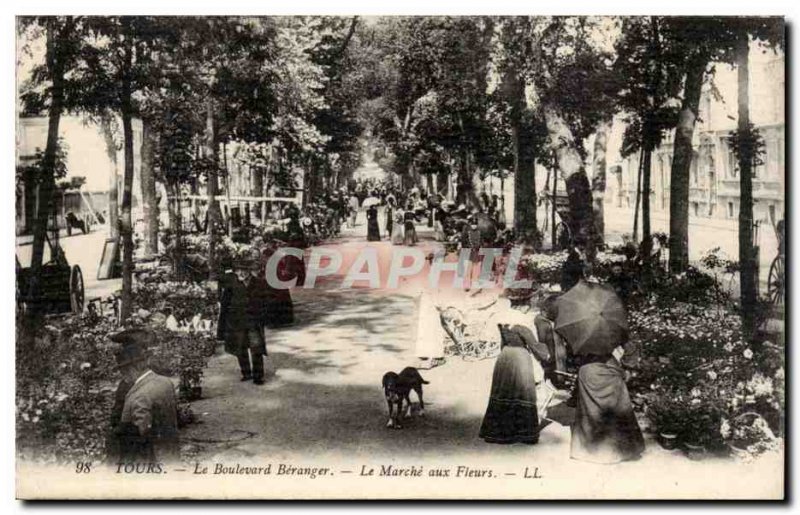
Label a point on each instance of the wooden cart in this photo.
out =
(61, 288)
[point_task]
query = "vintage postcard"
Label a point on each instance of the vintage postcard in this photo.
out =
(400, 257)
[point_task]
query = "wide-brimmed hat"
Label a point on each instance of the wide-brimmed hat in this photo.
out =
(134, 346)
(244, 263)
(139, 336)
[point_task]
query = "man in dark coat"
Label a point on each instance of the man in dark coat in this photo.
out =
(571, 270)
(147, 429)
(241, 318)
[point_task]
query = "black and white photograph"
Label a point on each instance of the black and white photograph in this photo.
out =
(376, 257)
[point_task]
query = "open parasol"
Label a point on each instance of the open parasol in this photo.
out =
(371, 201)
(592, 319)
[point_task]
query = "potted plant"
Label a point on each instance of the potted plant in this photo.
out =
(748, 434)
(667, 415)
(191, 373)
(701, 431)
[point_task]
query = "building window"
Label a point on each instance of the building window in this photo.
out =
(733, 166)
(695, 208)
(772, 215)
(772, 158)
(711, 209)
(730, 209)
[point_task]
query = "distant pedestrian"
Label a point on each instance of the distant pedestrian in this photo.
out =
(389, 213)
(409, 230)
(353, 205)
(373, 230)
(397, 227)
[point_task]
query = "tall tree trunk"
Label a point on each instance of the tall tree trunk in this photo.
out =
(525, 225)
(148, 183)
(258, 189)
(113, 183)
(553, 198)
(55, 66)
(211, 190)
(638, 198)
(176, 225)
(126, 225)
(570, 166)
(746, 251)
(462, 182)
(442, 180)
(599, 181)
(229, 220)
(645, 193)
(681, 166)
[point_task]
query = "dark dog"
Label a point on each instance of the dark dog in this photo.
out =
(396, 388)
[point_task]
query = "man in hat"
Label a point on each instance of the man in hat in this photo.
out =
(147, 429)
(242, 319)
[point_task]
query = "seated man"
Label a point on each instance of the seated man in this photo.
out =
(147, 427)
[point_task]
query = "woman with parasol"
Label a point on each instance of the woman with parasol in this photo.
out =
(593, 321)
(512, 414)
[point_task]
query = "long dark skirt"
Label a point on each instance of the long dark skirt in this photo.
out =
(511, 415)
(373, 231)
(280, 310)
(410, 234)
(605, 429)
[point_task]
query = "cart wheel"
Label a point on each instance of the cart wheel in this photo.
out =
(775, 283)
(76, 289)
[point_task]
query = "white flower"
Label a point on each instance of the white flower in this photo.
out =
(712, 375)
(748, 354)
(695, 392)
(725, 429)
(85, 365)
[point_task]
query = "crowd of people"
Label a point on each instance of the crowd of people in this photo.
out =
(540, 350)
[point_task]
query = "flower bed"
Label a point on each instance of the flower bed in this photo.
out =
(697, 377)
(67, 380)
(160, 298)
